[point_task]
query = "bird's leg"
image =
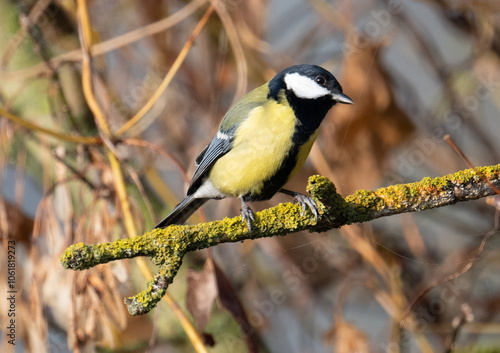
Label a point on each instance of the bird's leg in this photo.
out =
(303, 200)
(247, 214)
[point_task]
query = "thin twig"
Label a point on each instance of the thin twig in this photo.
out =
(86, 140)
(111, 44)
(170, 75)
(160, 150)
(239, 54)
(79, 175)
(457, 274)
(142, 191)
(457, 150)
(33, 17)
(86, 42)
(458, 323)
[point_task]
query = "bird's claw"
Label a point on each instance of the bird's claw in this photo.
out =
(306, 201)
(247, 216)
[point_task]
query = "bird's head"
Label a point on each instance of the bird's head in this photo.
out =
(308, 82)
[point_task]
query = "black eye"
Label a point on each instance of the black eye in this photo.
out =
(320, 80)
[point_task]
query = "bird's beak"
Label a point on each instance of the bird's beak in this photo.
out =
(342, 98)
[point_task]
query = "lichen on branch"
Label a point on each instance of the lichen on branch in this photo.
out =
(167, 247)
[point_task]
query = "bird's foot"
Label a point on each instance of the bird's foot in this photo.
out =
(304, 201)
(247, 215)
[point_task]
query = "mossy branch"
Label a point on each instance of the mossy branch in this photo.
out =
(166, 247)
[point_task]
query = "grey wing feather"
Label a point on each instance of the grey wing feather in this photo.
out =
(201, 155)
(182, 212)
(210, 154)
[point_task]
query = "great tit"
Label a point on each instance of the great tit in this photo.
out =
(262, 141)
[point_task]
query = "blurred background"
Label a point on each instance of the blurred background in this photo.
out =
(417, 70)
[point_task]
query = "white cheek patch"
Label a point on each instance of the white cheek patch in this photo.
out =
(304, 87)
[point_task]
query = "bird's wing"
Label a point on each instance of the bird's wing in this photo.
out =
(223, 140)
(198, 160)
(220, 145)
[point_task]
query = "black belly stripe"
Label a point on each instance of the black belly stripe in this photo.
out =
(310, 114)
(273, 184)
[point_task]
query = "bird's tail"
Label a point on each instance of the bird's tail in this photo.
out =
(182, 211)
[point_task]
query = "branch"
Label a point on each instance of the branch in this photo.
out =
(88, 140)
(166, 247)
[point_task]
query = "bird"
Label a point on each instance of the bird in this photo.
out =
(262, 141)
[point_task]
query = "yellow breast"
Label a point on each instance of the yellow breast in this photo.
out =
(261, 143)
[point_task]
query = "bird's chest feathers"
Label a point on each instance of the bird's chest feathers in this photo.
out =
(260, 145)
